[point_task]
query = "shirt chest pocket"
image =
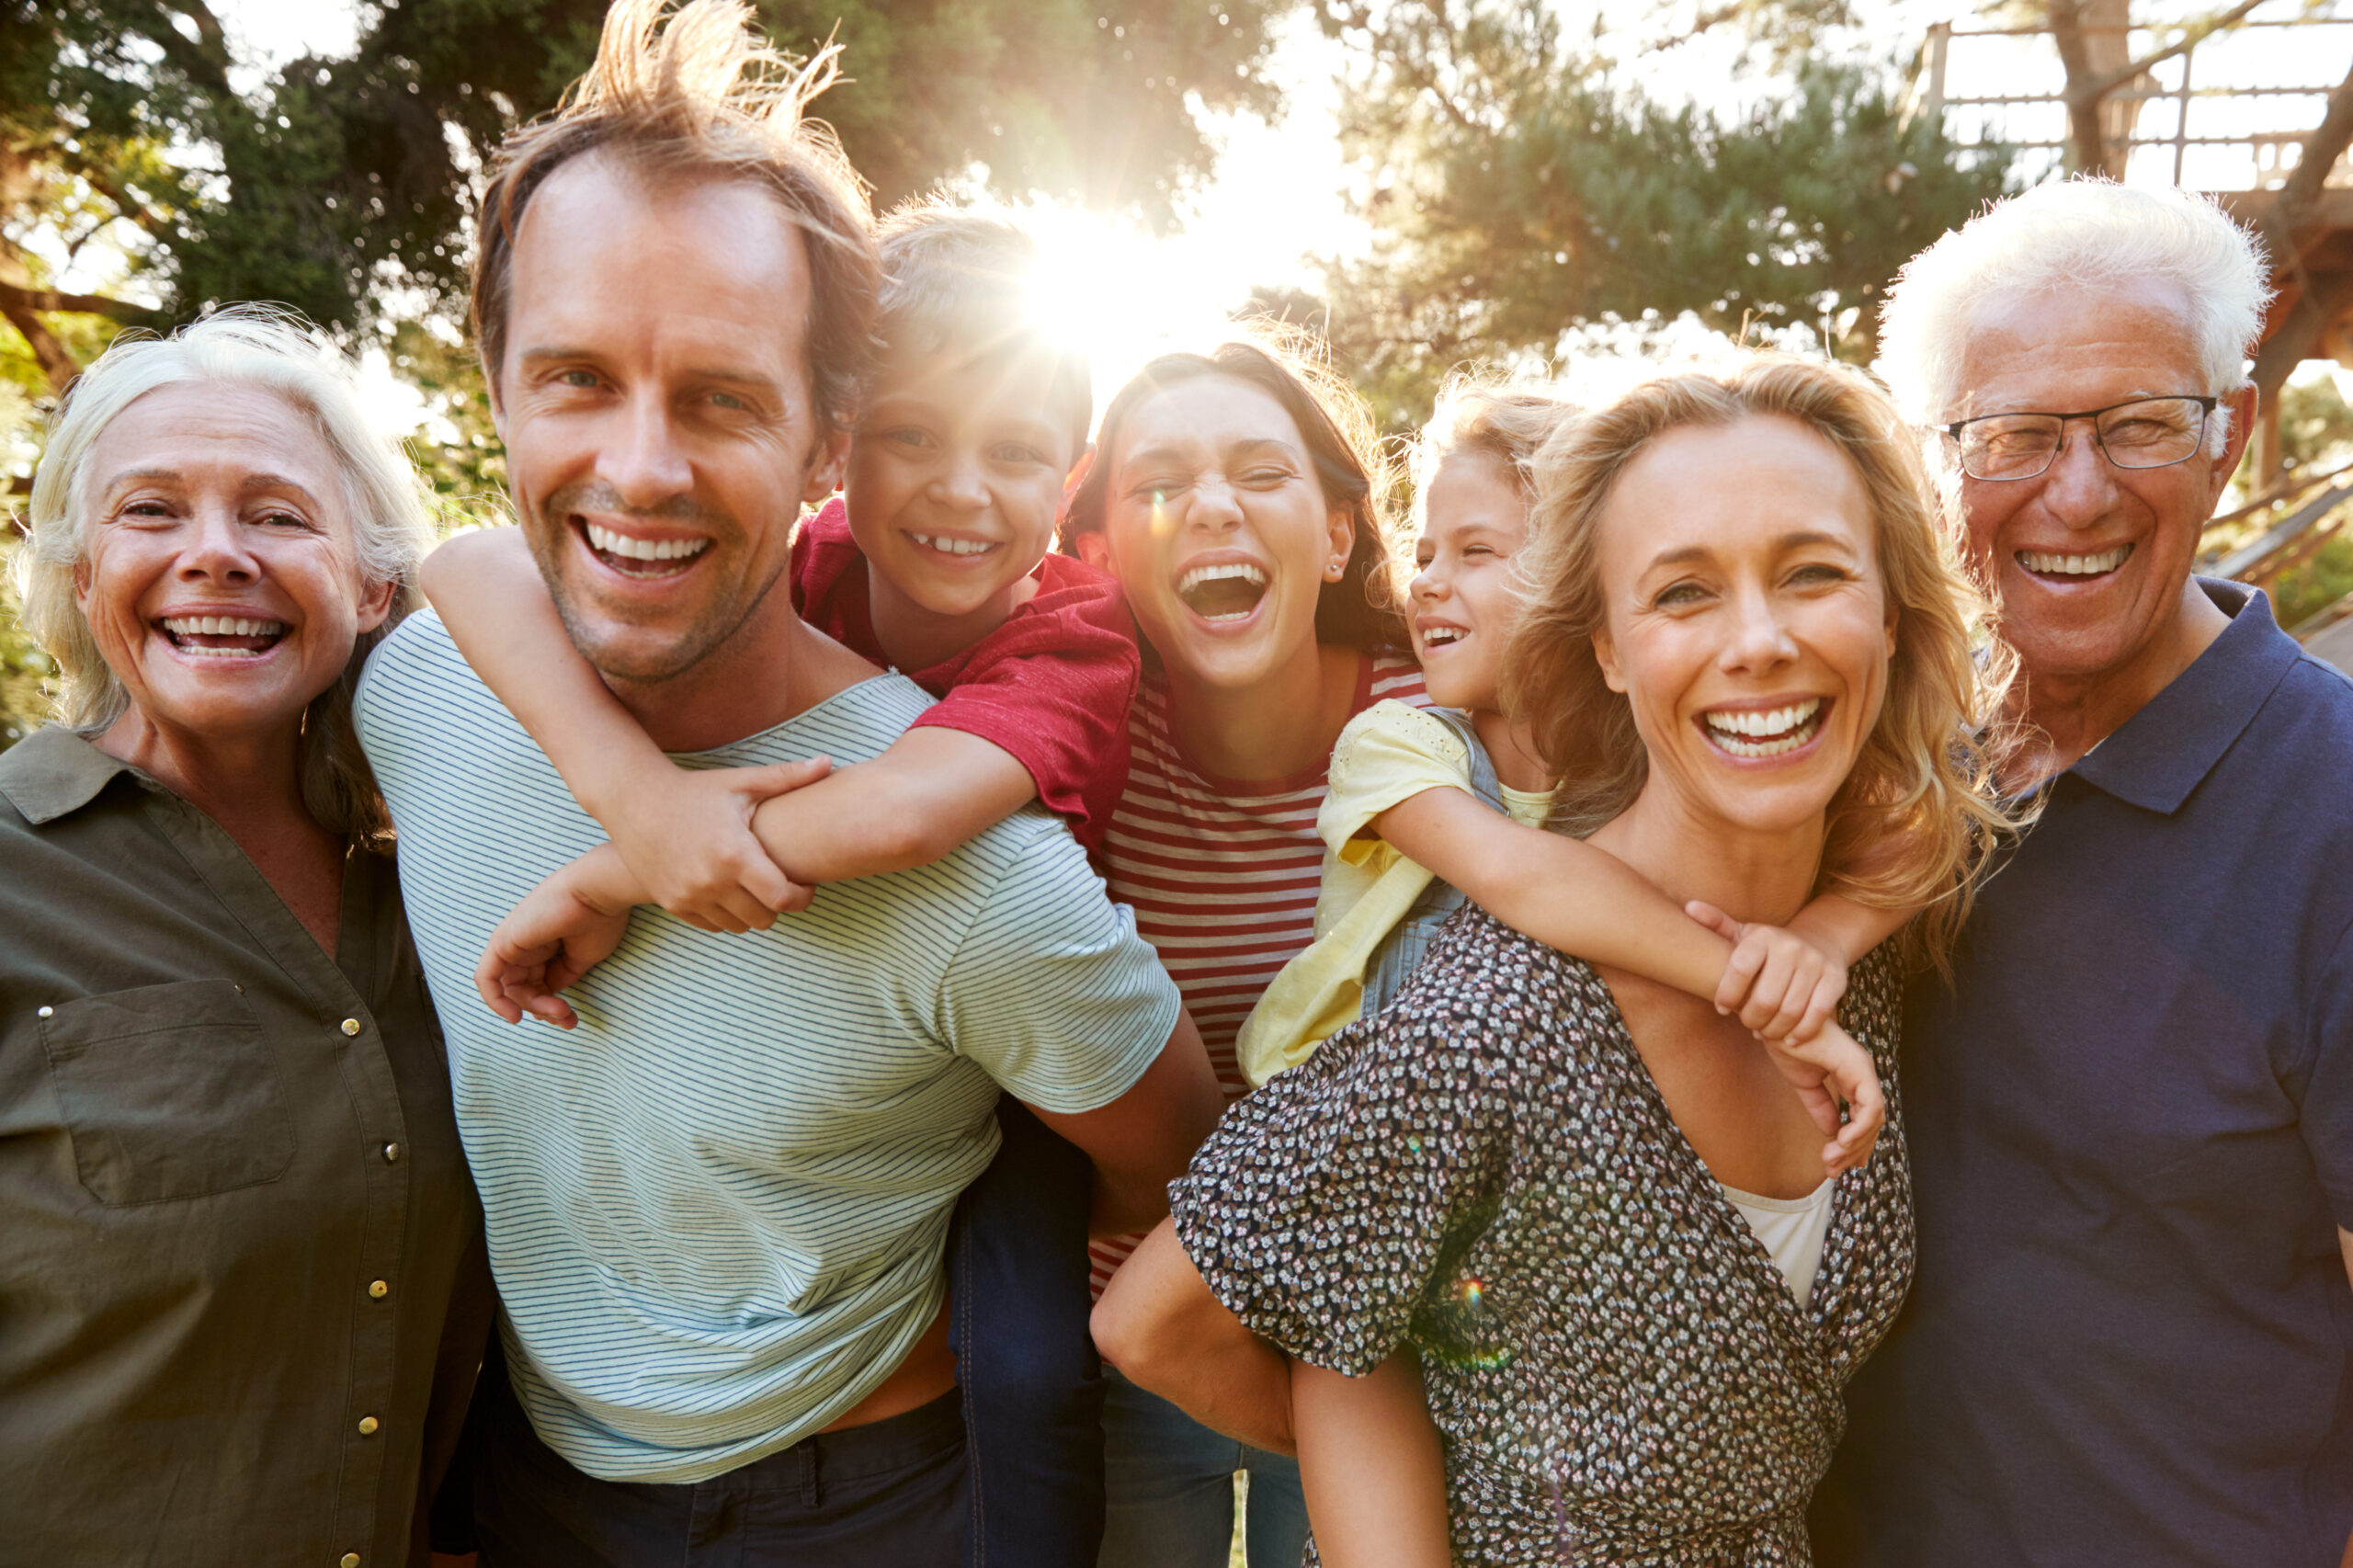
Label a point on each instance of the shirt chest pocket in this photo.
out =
(168, 1092)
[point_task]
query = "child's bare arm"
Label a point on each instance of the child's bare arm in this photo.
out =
(934, 789)
(1568, 894)
(1561, 890)
(685, 835)
(1371, 1465)
(703, 842)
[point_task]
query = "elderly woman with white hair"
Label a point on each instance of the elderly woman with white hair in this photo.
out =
(242, 1295)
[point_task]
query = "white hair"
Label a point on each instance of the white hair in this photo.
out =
(2078, 236)
(271, 350)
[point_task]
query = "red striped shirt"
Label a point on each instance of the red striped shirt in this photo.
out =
(1223, 874)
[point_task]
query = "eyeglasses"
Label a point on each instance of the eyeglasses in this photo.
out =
(2148, 432)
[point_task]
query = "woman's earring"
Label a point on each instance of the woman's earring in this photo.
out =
(1336, 569)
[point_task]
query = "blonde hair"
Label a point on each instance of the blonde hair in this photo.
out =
(1508, 424)
(703, 97)
(272, 351)
(1911, 825)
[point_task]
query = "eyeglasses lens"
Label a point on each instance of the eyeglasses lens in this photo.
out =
(2149, 434)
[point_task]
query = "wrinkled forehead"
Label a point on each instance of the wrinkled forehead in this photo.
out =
(2050, 348)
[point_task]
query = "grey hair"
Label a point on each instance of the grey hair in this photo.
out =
(271, 350)
(2082, 236)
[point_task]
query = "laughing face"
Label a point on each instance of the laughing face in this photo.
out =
(1219, 531)
(1749, 626)
(955, 478)
(2090, 560)
(654, 400)
(222, 582)
(1464, 600)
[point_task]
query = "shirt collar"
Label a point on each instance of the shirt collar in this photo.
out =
(54, 771)
(2161, 754)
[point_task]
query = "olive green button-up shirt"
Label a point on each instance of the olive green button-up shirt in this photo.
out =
(242, 1286)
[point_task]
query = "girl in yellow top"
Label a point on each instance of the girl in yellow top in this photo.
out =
(1430, 806)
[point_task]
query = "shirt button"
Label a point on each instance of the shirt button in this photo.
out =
(391, 1154)
(379, 1289)
(351, 1025)
(348, 1560)
(368, 1425)
(47, 1012)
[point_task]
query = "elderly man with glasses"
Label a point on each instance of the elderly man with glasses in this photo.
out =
(2130, 1336)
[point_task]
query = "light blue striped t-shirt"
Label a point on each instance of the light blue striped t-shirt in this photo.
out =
(716, 1209)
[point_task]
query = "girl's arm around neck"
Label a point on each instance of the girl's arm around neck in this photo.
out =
(1561, 890)
(1371, 1465)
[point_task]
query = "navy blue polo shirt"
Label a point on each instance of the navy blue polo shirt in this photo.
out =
(2131, 1338)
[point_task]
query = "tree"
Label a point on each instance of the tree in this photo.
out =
(345, 186)
(1515, 188)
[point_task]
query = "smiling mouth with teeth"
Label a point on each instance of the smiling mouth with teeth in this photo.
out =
(947, 546)
(1228, 591)
(1442, 636)
(643, 557)
(222, 636)
(1764, 731)
(2047, 563)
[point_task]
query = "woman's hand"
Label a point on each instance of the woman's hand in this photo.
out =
(563, 927)
(1781, 984)
(686, 838)
(1785, 991)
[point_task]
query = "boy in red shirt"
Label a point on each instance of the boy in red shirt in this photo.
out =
(935, 562)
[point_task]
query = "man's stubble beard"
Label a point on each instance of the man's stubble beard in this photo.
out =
(720, 618)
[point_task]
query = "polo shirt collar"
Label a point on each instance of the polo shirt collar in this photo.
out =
(54, 771)
(2161, 754)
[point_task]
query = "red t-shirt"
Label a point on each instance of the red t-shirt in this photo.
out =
(1051, 686)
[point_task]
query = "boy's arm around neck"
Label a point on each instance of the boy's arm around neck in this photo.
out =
(489, 593)
(930, 792)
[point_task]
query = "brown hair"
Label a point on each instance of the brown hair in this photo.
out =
(1910, 826)
(1357, 475)
(703, 97)
(956, 285)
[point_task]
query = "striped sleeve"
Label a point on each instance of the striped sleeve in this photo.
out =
(1052, 993)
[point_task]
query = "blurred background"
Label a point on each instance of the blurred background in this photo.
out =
(1541, 186)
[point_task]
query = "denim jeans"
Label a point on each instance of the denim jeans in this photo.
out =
(890, 1492)
(1171, 1489)
(1032, 1386)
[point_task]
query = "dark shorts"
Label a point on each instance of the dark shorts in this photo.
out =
(893, 1493)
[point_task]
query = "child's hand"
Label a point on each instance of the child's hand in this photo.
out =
(1824, 1069)
(1781, 984)
(557, 934)
(1786, 991)
(687, 837)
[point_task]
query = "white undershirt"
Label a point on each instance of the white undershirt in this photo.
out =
(1792, 1230)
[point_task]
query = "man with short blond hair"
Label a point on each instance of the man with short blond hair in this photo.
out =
(2129, 1339)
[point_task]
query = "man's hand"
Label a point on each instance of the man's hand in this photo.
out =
(685, 835)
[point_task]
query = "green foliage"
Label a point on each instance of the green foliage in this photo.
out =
(345, 188)
(1517, 188)
(23, 667)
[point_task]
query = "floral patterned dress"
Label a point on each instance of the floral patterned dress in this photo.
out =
(1486, 1172)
